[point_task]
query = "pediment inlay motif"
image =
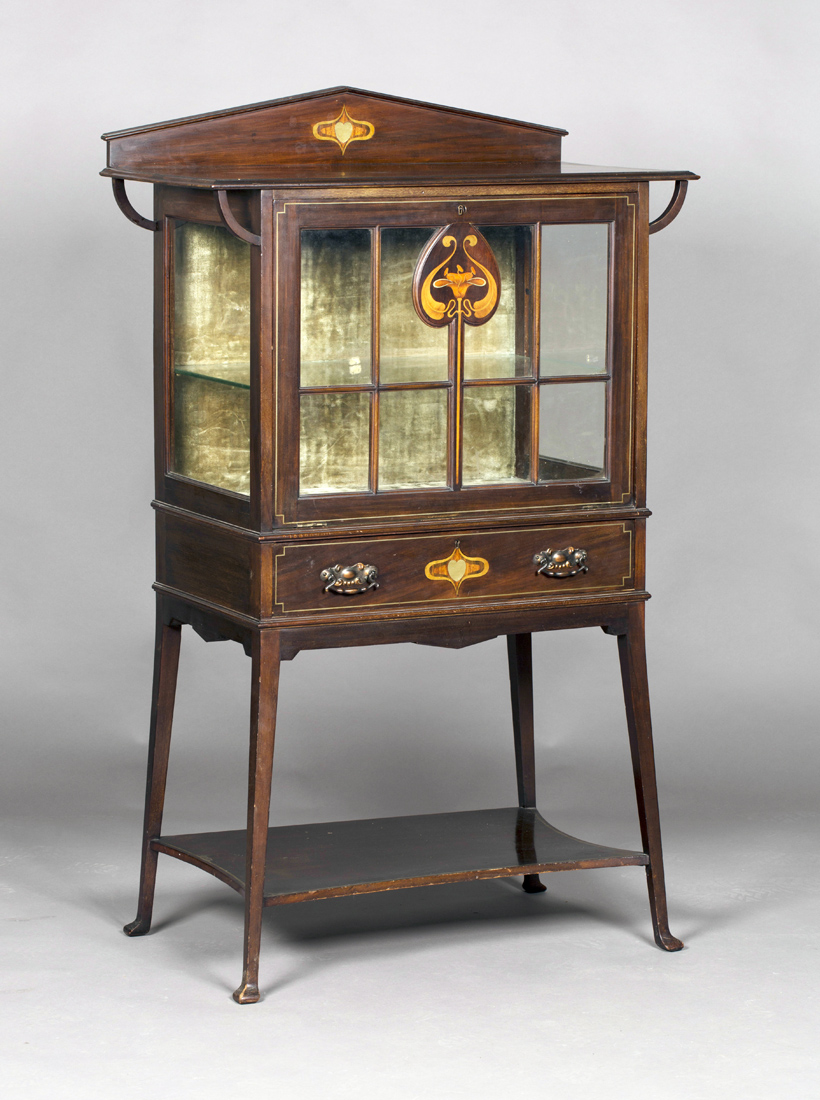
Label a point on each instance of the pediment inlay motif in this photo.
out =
(343, 129)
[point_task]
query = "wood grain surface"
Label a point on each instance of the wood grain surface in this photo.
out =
(334, 858)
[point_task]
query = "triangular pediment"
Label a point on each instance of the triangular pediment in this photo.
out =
(332, 134)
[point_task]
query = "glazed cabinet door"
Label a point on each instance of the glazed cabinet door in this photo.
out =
(443, 357)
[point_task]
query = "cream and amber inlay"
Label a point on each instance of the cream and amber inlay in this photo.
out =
(456, 569)
(343, 129)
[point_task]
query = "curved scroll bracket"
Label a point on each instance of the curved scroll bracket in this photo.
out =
(673, 209)
(231, 222)
(124, 203)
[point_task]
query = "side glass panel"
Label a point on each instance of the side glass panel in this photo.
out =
(335, 307)
(574, 298)
(334, 442)
(501, 347)
(496, 434)
(573, 431)
(211, 357)
(409, 350)
(412, 439)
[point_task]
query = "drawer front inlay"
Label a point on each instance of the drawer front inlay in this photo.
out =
(456, 569)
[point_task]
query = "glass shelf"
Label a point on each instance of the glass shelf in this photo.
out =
(229, 374)
(318, 374)
(494, 365)
(581, 363)
(414, 367)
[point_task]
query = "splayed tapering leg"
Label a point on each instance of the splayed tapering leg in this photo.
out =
(265, 688)
(166, 664)
(632, 654)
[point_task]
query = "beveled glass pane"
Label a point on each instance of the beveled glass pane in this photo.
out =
(574, 297)
(335, 307)
(409, 350)
(211, 356)
(334, 443)
(501, 347)
(412, 439)
(496, 434)
(573, 431)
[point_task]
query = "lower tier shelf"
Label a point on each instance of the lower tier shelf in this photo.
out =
(331, 859)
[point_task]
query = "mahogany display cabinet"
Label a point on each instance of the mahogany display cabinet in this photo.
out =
(400, 378)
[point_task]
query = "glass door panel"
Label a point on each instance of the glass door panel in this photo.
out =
(501, 348)
(334, 443)
(496, 434)
(412, 439)
(336, 305)
(572, 431)
(409, 350)
(211, 357)
(574, 299)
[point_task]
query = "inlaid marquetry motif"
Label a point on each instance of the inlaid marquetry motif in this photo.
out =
(343, 129)
(456, 278)
(456, 569)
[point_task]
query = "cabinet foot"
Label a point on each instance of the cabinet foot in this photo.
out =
(532, 884)
(138, 927)
(666, 941)
(246, 994)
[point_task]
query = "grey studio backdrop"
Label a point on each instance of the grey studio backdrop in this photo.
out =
(466, 990)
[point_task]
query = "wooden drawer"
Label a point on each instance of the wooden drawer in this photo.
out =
(419, 569)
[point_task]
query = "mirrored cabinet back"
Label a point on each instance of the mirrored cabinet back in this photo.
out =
(400, 396)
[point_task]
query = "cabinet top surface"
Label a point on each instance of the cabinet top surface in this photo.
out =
(344, 136)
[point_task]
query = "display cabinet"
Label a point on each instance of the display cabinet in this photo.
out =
(400, 378)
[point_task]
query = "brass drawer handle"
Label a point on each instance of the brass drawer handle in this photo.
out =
(348, 580)
(561, 563)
